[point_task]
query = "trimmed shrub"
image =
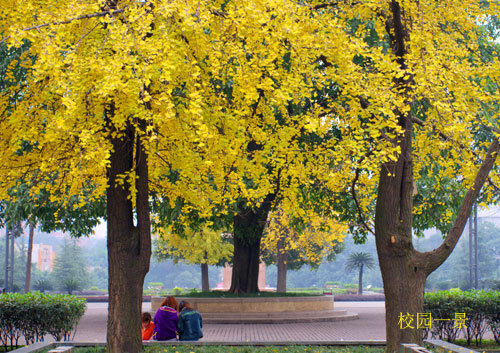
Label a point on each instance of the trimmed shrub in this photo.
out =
(34, 315)
(481, 310)
(350, 285)
(357, 298)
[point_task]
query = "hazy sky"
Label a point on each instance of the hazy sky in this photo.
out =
(100, 230)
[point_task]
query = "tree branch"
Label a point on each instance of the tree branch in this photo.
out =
(360, 214)
(433, 259)
(493, 184)
(335, 3)
(461, 145)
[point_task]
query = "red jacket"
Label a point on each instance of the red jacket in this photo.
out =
(147, 332)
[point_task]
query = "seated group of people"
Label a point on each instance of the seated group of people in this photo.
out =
(172, 320)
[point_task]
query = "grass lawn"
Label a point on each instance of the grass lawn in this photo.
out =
(245, 349)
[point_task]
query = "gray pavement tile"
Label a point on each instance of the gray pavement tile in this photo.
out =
(369, 326)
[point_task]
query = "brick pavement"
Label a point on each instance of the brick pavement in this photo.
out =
(369, 326)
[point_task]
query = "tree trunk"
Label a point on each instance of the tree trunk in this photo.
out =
(129, 246)
(404, 286)
(27, 282)
(12, 243)
(405, 270)
(6, 280)
(246, 259)
(282, 265)
(403, 281)
(360, 280)
(248, 227)
(205, 284)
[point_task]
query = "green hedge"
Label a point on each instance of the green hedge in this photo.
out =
(350, 285)
(481, 309)
(224, 294)
(34, 315)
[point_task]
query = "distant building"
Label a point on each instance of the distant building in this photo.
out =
(227, 272)
(43, 256)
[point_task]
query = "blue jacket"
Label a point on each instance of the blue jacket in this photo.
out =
(189, 325)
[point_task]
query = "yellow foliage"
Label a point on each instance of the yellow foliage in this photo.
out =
(206, 79)
(318, 237)
(196, 247)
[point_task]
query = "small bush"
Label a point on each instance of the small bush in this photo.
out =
(350, 285)
(43, 285)
(33, 315)
(177, 291)
(481, 309)
(155, 285)
(333, 283)
(337, 291)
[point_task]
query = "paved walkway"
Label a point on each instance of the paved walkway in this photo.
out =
(369, 326)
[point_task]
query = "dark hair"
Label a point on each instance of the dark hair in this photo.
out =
(184, 304)
(146, 317)
(170, 301)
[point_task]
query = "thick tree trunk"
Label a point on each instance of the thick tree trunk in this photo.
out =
(248, 227)
(405, 270)
(27, 282)
(282, 256)
(205, 284)
(404, 286)
(246, 259)
(360, 280)
(129, 246)
(403, 281)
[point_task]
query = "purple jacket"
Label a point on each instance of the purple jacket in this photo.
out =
(165, 321)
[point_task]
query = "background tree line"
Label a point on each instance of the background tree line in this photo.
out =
(88, 265)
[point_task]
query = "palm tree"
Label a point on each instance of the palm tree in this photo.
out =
(358, 260)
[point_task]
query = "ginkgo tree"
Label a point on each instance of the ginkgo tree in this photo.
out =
(278, 93)
(203, 246)
(292, 243)
(189, 99)
(446, 86)
(77, 220)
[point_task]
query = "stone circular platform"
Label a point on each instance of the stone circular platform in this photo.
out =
(253, 310)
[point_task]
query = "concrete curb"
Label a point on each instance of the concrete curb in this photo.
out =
(447, 347)
(35, 347)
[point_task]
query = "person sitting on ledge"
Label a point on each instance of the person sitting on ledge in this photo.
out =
(165, 321)
(190, 323)
(147, 326)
